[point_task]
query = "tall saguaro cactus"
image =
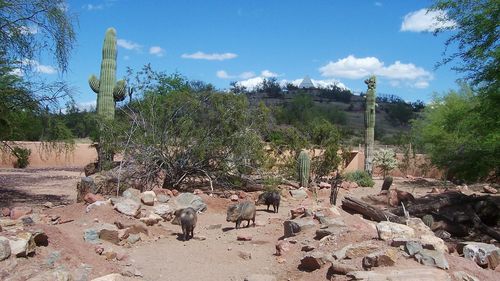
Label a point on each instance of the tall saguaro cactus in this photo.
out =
(107, 89)
(304, 168)
(370, 122)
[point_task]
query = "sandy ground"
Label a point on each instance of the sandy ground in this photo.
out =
(214, 253)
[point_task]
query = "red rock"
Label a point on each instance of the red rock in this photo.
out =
(324, 185)
(91, 198)
(121, 256)
(197, 191)
(18, 212)
(234, 197)
(175, 192)
(242, 195)
(5, 212)
(244, 237)
(99, 249)
(297, 212)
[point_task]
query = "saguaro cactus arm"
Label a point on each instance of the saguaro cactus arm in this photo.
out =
(304, 168)
(94, 83)
(119, 91)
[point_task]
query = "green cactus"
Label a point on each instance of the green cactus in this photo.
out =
(370, 123)
(304, 168)
(107, 89)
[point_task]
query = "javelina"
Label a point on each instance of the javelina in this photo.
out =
(241, 211)
(270, 198)
(187, 219)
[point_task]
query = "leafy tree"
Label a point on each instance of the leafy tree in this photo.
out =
(181, 132)
(28, 26)
(475, 34)
(447, 131)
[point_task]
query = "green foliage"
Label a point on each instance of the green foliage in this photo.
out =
(22, 155)
(450, 131)
(362, 178)
(188, 131)
(304, 167)
(301, 111)
(326, 136)
(385, 159)
(28, 26)
(400, 113)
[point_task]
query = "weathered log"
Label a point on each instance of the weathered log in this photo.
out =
(372, 212)
(434, 202)
(479, 225)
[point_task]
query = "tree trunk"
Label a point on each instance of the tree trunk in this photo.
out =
(367, 210)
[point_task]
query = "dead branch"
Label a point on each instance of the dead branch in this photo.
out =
(372, 212)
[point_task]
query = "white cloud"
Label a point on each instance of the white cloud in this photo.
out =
(213, 56)
(129, 45)
(40, 68)
(244, 75)
(90, 7)
(268, 74)
(157, 51)
(356, 68)
(29, 29)
(378, 4)
(17, 72)
(424, 20)
(251, 83)
(351, 67)
(421, 84)
(88, 105)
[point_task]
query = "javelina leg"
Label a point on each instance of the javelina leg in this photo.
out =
(268, 207)
(185, 233)
(192, 232)
(238, 221)
(248, 223)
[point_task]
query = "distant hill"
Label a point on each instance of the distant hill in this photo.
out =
(392, 113)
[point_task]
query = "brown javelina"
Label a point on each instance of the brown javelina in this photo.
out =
(270, 198)
(240, 212)
(187, 218)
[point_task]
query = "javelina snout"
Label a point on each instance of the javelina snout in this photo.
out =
(240, 212)
(187, 218)
(270, 198)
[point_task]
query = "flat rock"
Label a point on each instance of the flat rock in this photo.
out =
(148, 198)
(245, 255)
(360, 250)
(406, 274)
(298, 194)
(22, 245)
(494, 259)
(96, 205)
(244, 237)
(341, 253)
(412, 247)
(58, 274)
(330, 230)
(109, 232)
(128, 207)
(432, 258)
(477, 251)
(312, 261)
(260, 277)
(4, 248)
(91, 235)
(389, 230)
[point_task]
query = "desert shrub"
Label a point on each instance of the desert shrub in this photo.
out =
(385, 159)
(362, 178)
(22, 155)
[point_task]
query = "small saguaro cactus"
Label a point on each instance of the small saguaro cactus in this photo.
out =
(108, 90)
(370, 123)
(304, 168)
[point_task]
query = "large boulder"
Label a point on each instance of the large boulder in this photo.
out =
(128, 207)
(432, 258)
(22, 245)
(164, 210)
(298, 194)
(184, 200)
(132, 193)
(389, 230)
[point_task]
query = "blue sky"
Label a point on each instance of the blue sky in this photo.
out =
(223, 41)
